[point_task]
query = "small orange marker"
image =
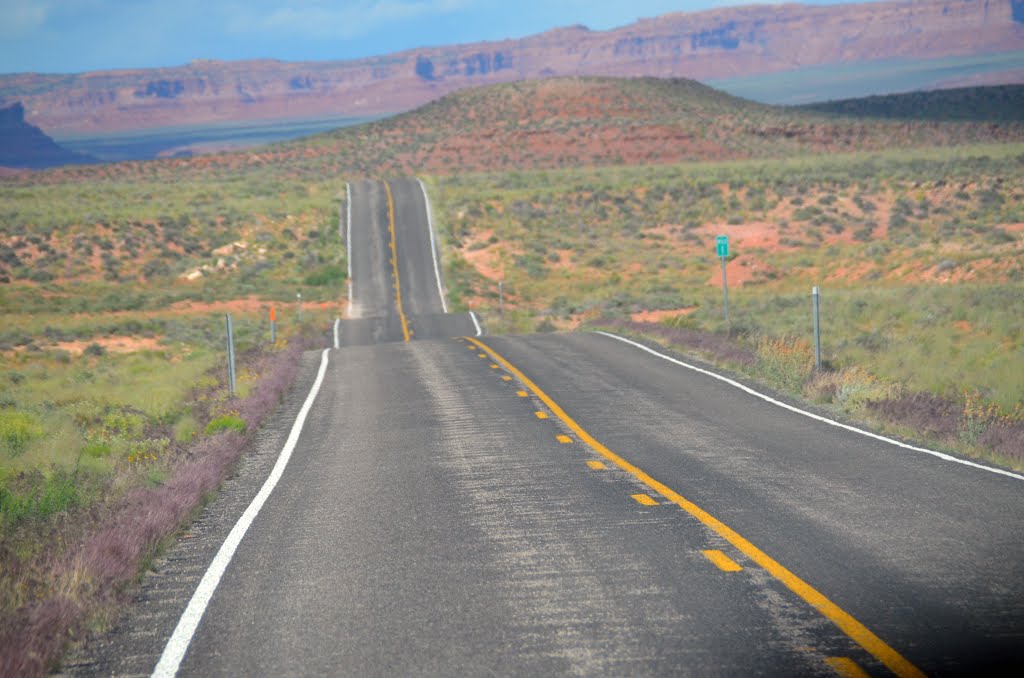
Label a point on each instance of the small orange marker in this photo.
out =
(273, 316)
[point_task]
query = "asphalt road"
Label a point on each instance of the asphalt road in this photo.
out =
(569, 504)
(396, 290)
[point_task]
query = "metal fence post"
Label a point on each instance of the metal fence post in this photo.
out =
(816, 296)
(501, 298)
(725, 291)
(273, 326)
(231, 353)
(298, 299)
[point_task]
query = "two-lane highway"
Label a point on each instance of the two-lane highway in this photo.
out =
(574, 504)
(397, 292)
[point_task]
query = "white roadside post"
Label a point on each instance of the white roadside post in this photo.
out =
(816, 297)
(231, 353)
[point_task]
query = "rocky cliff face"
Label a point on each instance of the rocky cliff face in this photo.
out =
(706, 45)
(25, 146)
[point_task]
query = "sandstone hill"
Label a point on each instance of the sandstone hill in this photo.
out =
(576, 123)
(25, 146)
(706, 45)
(998, 103)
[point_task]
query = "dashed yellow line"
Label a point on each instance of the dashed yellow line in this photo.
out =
(838, 616)
(394, 262)
(846, 667)
(722, 561)
(522, 394)
(563, 439)
(541, 415)
(596, 465)
(505, 377)
(645, 499)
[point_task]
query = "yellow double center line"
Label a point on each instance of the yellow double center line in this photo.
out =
(850, 626)
(394, 262)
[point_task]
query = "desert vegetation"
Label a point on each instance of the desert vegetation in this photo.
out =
(920, 256)
(115, 419)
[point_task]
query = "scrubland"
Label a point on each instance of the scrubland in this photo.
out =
(919, 256)
(115, 418)
(596, 202)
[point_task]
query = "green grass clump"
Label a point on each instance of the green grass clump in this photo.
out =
(225, 422)
(97, 449)
(785, 362)
(38, 497)
(185, 429)
(330, 274)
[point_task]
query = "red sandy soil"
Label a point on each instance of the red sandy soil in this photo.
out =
(249, 305)
(113, 344)
(486, 260)
(658, 316)
(850, 273)
(739, 271)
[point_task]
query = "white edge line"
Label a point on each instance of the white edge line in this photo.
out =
(348, 241)
(811, 415)
(177, 644)
(433, 247)
(476, 323)
(337, 321)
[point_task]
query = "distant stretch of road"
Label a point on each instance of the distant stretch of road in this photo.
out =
(397, 293)
(574, 504)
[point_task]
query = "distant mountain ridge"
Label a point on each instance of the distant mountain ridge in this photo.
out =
(583, 122)
(25, 146)
(712, 44)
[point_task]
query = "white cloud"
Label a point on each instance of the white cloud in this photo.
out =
(323, 19)
(21, 18)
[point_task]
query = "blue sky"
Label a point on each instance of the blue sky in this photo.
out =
(68, 36)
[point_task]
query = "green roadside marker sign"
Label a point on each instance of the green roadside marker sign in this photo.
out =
(722, 245)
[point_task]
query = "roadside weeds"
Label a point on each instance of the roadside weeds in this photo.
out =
(72, 589)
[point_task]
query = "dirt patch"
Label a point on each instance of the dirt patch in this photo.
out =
(113, 345)
(852, 273)
(486, 259)
(658, 316)
(743, 270)
(246, 305)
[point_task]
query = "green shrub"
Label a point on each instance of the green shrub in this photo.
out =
(95, 349)
(326, 275)
(17, 430)
(123, 424)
